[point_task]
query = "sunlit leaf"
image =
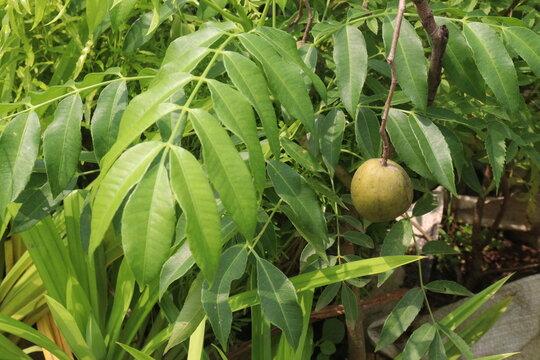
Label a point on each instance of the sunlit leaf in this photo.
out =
(194, 194)
(494, 63)
(215, 298)
(279, 301)
(62, 143)
(126, 172)
(227, 172)
(350, 56)
(148, 223)
(19, 146)
(401, 317)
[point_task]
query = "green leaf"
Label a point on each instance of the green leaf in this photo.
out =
(327, 295)
(330, 275)
(186, 52)
(404, 141)
(175, 267)
(250, 81)
(410, 61)
(196, 198)
(279, 302)
(235, 112)
(148, 223)
(10, 350)
(448, 287)
(350, 304)
(419, 342)
(300, 155)
(426, 204)
(459, 64)
(401, 317)
(496, 149)
(497, 357)
(95, 13)
(190, 316)
(330, 133)
(24, 331)
(526, 43)
(465, 310)
(285, 44)
(196, 342)
(435, 151)
(359, 238)
(227, 172)
(215, 298)
(366, 129)
(494, 64)
(284, 80)
(123, 293)
(457, 341)
(62, 143)
(438, 247)
(19, 145)
(436, 349)
(106, 118)
(144, 110)
(136, 354)
(304, 211)
(482, 324)
(120, 12)
(126, 172)
(396, 242)
(350, 56)
(67, 325)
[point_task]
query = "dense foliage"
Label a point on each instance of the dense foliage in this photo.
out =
(164, 163)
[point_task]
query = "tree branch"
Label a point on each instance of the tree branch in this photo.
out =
(393, 81)
(309, 21)
(439, 39)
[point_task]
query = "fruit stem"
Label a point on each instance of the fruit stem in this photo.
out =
(393, 82)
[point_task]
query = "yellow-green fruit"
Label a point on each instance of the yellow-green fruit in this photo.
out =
(381, 193)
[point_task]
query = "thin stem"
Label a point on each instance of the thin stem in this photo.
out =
(75, 91)
(264, 14)
(200, 81)
(309, 21)
(227, 15)
(421, 275)
(393, 82)
(263, 229)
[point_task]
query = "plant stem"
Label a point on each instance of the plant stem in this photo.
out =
(198, 85)
(393, 82)
(75, 91)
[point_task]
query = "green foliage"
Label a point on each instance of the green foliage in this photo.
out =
(165, 162)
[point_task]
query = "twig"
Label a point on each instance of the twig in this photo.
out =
(505, 188)
(476, 260)
(529, 267)
(298, 16)
(510, 9)
(393, 81)
(309, 21)
(439, 38)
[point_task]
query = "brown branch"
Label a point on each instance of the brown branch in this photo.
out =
(393, 81)
(309, 21)
(505, 188)
(439, 39)
(510, 9)
(476, 258)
